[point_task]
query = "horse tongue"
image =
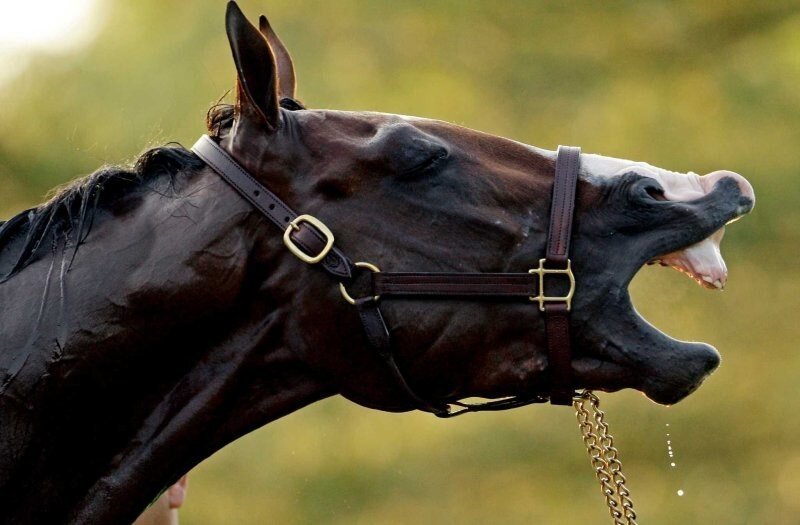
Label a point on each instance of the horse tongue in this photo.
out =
(702, 261)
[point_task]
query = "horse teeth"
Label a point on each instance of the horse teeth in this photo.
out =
(716, 283)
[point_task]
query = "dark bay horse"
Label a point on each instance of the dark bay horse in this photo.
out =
(150, 316)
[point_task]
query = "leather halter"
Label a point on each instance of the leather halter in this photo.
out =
(312, 242)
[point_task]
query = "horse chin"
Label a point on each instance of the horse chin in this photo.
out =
(597, 374)
(674, 369)
(680, 367)
(668, 391)
(663, 369)
(632, 353)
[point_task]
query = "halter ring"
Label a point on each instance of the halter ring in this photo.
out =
(369, 266)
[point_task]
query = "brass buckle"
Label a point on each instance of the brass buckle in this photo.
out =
(300, 254)
(541, 271)
(369, 266)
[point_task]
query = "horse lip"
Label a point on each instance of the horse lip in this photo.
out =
(632, 353)
(696, 362)
(725, 203)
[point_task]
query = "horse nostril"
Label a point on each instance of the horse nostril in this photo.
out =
(656, 193)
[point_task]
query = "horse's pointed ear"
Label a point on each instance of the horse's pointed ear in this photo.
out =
(287, 84)
(257, 93)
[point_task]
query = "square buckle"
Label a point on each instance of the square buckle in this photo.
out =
(295, 249)
(541, 271)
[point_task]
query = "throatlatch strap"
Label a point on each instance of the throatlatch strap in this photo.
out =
(557, 325)
(379, 339)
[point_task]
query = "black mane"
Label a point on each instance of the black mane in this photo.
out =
(71, 211)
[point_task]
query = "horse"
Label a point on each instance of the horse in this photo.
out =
(150, 316)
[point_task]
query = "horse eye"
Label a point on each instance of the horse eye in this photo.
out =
(421, 157)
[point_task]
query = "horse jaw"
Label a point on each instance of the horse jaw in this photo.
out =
(640, 356)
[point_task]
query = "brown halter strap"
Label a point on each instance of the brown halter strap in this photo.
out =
(312, 242)
(559, 347)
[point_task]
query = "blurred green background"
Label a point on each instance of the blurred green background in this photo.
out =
(683, 85)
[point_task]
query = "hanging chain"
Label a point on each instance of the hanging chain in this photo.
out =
(604, 458)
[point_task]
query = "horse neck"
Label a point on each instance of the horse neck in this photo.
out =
(121, 372)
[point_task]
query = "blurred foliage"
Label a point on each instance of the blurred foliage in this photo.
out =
(684, 85)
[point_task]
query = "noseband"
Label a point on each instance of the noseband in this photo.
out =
(312, 242)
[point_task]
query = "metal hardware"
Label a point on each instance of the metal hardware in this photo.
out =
(369, 266)
(541, 271)
(604, 458)
(300, 254)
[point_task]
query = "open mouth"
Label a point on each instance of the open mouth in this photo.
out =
(703, 263)
(635, 353)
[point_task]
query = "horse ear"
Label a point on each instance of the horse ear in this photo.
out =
(287, 85)
(257, 94)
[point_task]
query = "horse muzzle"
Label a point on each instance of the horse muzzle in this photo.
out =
(678, 378)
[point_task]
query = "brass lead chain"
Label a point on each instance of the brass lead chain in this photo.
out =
(604, 458)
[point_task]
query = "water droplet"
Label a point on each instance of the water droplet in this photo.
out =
(667, 424)
(680, 492)
(672, 464)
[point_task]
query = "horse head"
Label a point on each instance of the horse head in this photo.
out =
(408, 193)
